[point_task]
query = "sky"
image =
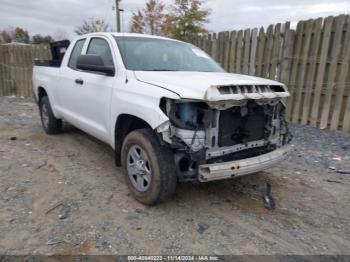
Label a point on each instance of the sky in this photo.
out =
(61, 17)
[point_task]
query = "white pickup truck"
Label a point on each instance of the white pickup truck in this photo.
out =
(168, 110)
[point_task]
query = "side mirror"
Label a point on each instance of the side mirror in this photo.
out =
(94, 63)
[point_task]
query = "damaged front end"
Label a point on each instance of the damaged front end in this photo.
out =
(214, 139)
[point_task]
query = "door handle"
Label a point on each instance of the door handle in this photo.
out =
(79, 81)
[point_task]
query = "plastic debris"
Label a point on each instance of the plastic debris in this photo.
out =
(343, 171)
(269, 202)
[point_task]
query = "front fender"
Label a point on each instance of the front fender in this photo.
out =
(140, 100)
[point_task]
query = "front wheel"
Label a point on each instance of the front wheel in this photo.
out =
(149, 167)
(50, 123)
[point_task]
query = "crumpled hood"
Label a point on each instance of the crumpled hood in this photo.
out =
(194, 85)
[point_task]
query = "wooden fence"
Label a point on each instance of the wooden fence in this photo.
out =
(312, 60)
(16, 67)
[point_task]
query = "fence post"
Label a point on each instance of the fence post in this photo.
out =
(327, 27)
(334, 56)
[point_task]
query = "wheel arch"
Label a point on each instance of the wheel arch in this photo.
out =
(124, 124)
(41, 92)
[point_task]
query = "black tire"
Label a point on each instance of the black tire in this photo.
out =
(162, 166)
(50, 123)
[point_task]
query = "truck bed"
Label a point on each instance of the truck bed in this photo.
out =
(58, 49)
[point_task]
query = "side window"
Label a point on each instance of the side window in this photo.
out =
(76, 52)
(99, 46)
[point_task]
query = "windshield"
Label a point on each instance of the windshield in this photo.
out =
(152, 54)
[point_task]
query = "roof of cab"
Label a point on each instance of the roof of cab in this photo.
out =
(131, 35)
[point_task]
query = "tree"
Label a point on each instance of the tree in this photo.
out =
(186, 19)
(21, 35)
(6, 36)
(12, 34)
(93, 25)
(40, 39)
(137, 22)
(150, 19)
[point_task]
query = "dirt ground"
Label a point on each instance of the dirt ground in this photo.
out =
(63, 194)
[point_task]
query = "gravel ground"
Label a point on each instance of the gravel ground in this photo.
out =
(63, 194)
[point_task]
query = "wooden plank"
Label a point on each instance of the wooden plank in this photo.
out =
(233, 40)
(288, 44)
(239, 51)
(214, 47)
(227, 46)
(246, 48)
(28, 71)
(334, 56)
(254, 41)
(285, 28)
(2, 66)
(220, 48)
(341, 83)
(327, 27)
(6, 71)
(209, 41)
(12, 70)
(22, 66)
(209, 46)
(260, 52)
(346, 120)
(315, 45)
(204, 43)
(197, 41)
(302, 70)
(295, 67)
(267, 52)
(17, 69)
(275, 52)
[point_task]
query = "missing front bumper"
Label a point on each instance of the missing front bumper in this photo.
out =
(210, 172)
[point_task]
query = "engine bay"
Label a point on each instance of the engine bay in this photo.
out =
(202, 133)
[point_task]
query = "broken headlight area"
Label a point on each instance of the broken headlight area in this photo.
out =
(202, 133)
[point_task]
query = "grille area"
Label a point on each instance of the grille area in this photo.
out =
(240, 125)
(246, 89)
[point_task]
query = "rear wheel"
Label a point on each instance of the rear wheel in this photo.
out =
(149, 167)
(50, 123)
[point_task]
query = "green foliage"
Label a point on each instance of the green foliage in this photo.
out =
(21, 35)
(150, 19)
(18, 35)
(184, 20)
(92, 25)
(137, 22)
(187, 19)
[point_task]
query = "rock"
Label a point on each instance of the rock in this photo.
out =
(64, 211)
(54, 241)
(202, 228)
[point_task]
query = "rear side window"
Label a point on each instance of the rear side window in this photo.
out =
(99, 46)
(76, 52)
